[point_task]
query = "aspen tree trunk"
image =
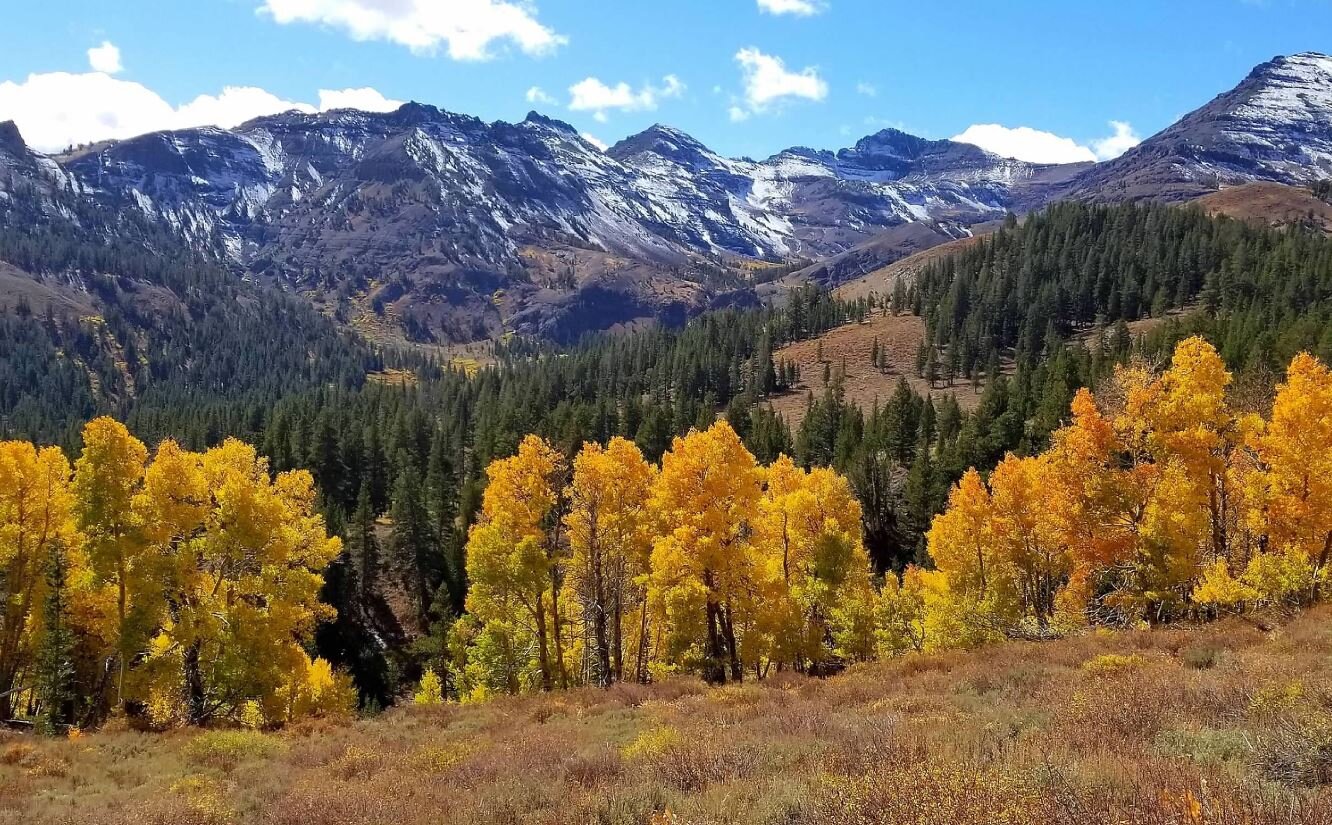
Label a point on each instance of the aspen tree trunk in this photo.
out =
(543, 650)
(714, 670)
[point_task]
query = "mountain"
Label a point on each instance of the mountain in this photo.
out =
(1276, 125)
(439, 227)
(457, 229)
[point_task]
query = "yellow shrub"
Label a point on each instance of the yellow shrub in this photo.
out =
(225, 749)
(651, 742)
(1108, 663)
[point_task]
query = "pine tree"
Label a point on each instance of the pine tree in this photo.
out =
(412, 541)
(55, 661)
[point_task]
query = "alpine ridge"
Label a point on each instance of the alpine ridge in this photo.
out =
(447, 228)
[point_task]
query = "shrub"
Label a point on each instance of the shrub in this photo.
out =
(1108, 663)
(226, 749)
(1205, 745)
(1201, 657)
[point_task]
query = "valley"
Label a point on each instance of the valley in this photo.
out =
(395, 464)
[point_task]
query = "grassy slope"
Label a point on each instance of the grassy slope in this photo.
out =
(1222, 724)
(853, 343)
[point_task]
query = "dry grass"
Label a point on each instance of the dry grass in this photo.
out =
(899, 336)
(1270, 204)
(1223, 724)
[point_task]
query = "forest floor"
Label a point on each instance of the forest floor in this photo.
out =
(1225, 723)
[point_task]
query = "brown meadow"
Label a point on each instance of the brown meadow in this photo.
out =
(1226, 723)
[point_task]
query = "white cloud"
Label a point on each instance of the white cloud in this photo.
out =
(232, 107)
(867, 89)
(767, 82)
(1025, 143)
(365, 98)
(1117, 144)
(595, 141)
(60, 109)
(1036, 146)
(800, 8)
(592, 95)
(105, 58)
(536, 94)
(465, 28)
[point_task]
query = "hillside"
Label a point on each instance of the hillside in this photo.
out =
(852, 344)
(1224, 724)
(1270, 204)
(882, 280)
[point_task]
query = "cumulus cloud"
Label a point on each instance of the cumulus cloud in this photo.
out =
(867, 89)
(593, 95)
(1117, 144)
(59, 109)
(799, 8)
(1036, 146)
(1025, 143)
(105, 58)
(595, 141)
(466, 29)
(365, 98)
(768, 83)
(536, 94)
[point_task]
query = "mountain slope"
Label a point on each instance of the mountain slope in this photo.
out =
(1276, 125)
(440, 227)
(460, 229)
(101, 309)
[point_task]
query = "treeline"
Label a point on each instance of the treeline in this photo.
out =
(177, 589)
(614, 568)
(1161, 501)
(1264, 294)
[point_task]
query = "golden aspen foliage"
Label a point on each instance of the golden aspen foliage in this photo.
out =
(514, 565)
(241, 585)
(1220, 589)
(431, 689)
(705, 573)
(107, 478)
(610, 534)
(193, 579)
(35, 516)
(808, 531)
(900, 613)
(1295, 494)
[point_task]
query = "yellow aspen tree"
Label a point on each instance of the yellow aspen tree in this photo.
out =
(960, 539)
(1090, 505)
(107, 477)
(1294, 503)
(610, 535)
(809, 526)
(900, 613)
(704, 570)
(1180, 434)
(1026, 534)
(242, 556)
(980, 596)
(514, 563)
(1218, 589)
(35, 515)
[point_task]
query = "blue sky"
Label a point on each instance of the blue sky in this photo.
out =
(745, 79)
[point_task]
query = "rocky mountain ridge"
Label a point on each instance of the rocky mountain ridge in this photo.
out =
(450, 228)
